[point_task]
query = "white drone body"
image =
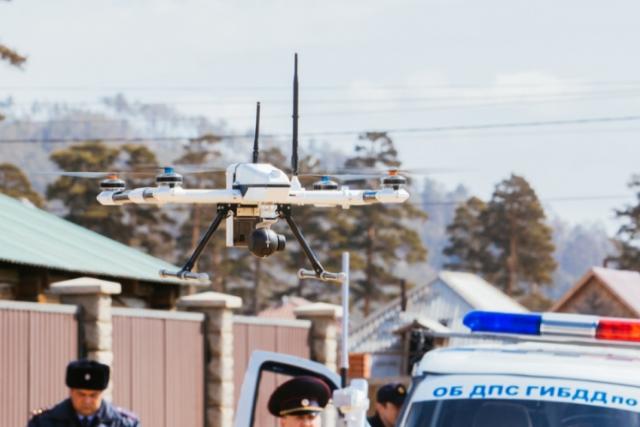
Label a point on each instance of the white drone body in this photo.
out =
(251, 184)
(255, 197)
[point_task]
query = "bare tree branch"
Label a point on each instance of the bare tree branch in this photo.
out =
(7, 54)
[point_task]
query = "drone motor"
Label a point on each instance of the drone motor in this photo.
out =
(169, 178)
(112, 183)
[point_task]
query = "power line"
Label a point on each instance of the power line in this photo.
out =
(442, 107)
(550, 95)
(356, 85)
(435, 129)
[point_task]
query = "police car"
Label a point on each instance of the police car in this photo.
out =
(559, 370)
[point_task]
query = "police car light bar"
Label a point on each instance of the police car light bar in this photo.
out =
(554, 324)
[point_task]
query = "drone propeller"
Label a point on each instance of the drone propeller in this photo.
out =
(95, 175)
(353, 174)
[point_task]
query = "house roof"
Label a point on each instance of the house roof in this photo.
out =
(624, 284)
(478, 293)
(375, 333)
(31, 236)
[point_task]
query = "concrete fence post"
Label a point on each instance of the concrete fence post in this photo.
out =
(323, 336)
(93, 296)
(218, 310)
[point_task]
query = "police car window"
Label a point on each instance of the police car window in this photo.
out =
(515, 413)
(514, 401)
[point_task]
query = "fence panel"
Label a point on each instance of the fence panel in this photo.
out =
(278, 335)
(36, 343)
(159, 366)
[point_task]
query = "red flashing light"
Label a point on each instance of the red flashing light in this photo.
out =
(618, 330)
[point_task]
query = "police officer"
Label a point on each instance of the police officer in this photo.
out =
(299, 401)
(389, 400)
(87, 380)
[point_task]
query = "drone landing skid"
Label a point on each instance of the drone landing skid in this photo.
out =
(185, 272)
(318, 271)
(284, 211)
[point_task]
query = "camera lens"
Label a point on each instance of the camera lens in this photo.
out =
(264, 242)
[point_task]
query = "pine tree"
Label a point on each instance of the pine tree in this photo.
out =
(468, 246)
(626, 240)
(380, 236)
(514, 223)
(506, 241)
(14, 183)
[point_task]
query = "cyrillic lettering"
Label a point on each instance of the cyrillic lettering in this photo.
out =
(440, 391)
(456, 391)
(478, 390)
(547, 391)
(599, 396)
(512, 390)
(564, 392)
(581, 394)
(631, 402)
(495, 388)
(530, 389)
(617, 399)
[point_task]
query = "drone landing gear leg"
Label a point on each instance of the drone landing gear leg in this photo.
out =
(185, 272)
(318, 270)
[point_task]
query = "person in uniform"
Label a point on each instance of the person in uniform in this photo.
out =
(299, 401)
(85, 407)
(389, 400)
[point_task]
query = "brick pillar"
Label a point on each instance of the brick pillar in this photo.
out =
(323, 337)
(218, 311)
(93, 297)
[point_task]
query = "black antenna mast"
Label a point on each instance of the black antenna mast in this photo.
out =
(294, 155)
(255, 136)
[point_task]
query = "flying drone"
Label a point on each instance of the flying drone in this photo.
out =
(256, 196)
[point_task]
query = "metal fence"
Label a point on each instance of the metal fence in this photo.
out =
(36, 343)
(279, 335)
(159, 366)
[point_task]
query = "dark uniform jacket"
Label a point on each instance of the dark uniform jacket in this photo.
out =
(63, 415)
(375, 421)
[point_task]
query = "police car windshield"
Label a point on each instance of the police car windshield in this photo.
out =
(515, 413)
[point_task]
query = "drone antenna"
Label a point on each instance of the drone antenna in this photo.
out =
(255, 136)
(294, 154)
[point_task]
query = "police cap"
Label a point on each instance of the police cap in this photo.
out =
(87, 375)
(299, 395)
(393, 393)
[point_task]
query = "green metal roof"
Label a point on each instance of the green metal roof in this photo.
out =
(34, 237)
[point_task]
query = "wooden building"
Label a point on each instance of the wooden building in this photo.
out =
(603, 292)
(38, 248)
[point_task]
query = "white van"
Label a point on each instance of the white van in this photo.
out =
(560, 371)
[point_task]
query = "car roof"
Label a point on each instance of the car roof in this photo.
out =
(549, 360)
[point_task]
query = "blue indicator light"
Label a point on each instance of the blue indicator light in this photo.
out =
(168, 170)
(324, 178)
(509, 323)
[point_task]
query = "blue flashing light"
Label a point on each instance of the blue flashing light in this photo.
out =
(509, 323)
(168, 170)
(324, 178)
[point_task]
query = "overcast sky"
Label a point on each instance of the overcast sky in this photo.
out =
(403, 66)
